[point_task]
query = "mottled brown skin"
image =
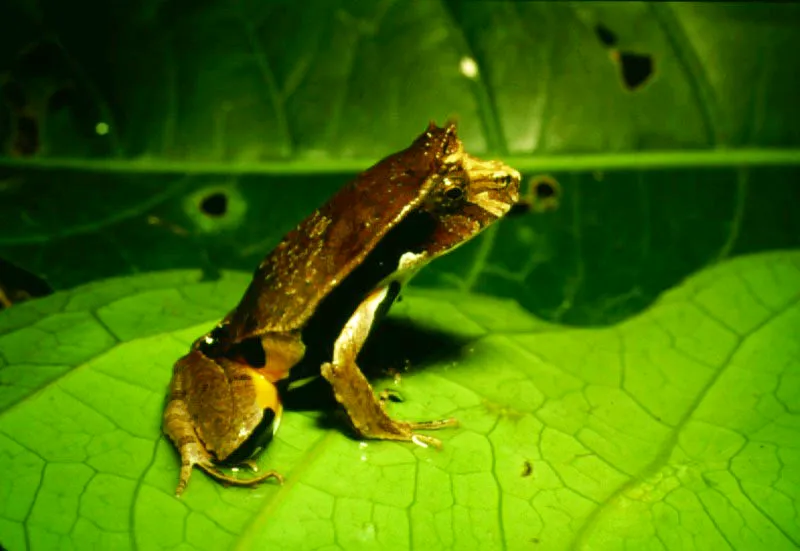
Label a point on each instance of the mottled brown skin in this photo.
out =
(213, 406)
(210, 400)
(317, 255)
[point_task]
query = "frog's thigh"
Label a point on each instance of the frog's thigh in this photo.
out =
(180, 426)
(353, 390)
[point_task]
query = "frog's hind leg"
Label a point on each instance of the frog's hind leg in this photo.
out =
(354, 392)
(180, 429)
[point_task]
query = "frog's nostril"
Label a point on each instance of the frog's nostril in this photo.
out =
(636, 69)
(503, 178)
(605, 35)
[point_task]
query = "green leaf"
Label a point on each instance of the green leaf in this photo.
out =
(274, 105)
(257, 81)
(675, 429)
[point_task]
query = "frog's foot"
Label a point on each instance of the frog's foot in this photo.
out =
(179, 428)
(407, 428)
(193, 454)
(367, 413)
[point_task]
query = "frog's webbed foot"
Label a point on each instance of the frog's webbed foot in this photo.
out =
(353, 391)
(367, 413)
(178, 426)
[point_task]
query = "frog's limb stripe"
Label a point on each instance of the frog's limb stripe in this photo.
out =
(354, 392)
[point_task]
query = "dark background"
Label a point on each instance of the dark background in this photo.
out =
(143, 136)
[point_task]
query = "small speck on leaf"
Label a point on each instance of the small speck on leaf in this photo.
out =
(527, 469)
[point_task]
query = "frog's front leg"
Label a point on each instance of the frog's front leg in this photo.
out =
(354, 392)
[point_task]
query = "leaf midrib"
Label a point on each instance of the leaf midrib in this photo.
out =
(650, 160)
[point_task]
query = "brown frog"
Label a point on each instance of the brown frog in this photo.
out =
(314, 299)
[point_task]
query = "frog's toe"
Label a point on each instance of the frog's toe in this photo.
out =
(215, 472)
(432, 425)
(191, 454)
(425, 440)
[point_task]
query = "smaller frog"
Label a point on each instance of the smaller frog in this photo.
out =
(314, 299)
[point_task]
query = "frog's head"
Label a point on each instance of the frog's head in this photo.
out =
(464, 181)
(467, 194)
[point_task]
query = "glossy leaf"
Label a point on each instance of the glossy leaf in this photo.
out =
(675, 429)
(671, 128)
(256, 81)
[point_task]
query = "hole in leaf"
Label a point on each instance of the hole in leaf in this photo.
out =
(543, 195)
(215, 208)
(544, 190)
(605, 35)
(636, 69)
(215, 204)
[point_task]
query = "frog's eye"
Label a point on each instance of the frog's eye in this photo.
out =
(454, 193)
(503, 178)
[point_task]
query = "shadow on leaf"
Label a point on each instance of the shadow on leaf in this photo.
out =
(394, 347)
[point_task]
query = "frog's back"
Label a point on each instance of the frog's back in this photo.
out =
(324, 249)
